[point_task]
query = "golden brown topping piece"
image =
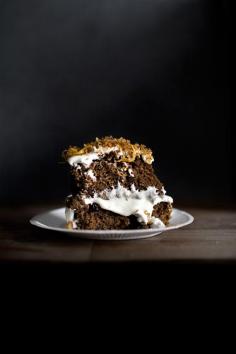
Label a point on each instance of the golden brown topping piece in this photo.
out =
(124, 149)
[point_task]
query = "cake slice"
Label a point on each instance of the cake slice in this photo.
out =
(113, 186)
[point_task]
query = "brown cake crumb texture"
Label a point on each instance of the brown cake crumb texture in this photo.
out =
(108, 174)
(92, 217)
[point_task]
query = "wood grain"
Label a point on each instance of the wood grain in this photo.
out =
(211, 238)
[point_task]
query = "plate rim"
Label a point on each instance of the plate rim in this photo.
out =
(35, 222)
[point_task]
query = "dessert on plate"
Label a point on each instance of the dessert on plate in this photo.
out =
(114, 186)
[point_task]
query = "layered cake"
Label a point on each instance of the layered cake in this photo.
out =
(114, 186)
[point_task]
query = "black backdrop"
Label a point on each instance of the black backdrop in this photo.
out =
(154, 71)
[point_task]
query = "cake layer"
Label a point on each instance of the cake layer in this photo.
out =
(92, 216)
(106, 174)
(126, 202)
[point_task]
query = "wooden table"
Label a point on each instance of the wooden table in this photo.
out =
(211, 238)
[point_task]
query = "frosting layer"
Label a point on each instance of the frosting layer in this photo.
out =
(127, 202)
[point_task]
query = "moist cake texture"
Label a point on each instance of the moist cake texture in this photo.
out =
(114, 186)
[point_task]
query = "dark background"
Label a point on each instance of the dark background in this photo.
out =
(153, 71)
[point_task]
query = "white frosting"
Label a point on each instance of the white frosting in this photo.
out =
(130, 171)
(156, 222)
(69, 214)
(127, 202)
(87, 159)
(91, 175)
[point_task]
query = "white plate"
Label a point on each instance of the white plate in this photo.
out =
(55, 220)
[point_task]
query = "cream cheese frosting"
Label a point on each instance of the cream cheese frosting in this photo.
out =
(70, 216)
(87, 159)
(130, 172)
(91, 175)
(123, 201)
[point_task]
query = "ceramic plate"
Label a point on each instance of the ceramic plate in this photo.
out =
(55, 220)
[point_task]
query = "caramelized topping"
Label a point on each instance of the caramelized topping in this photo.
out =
(124, 150)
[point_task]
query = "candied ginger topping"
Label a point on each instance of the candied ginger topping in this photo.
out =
(124, 150)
